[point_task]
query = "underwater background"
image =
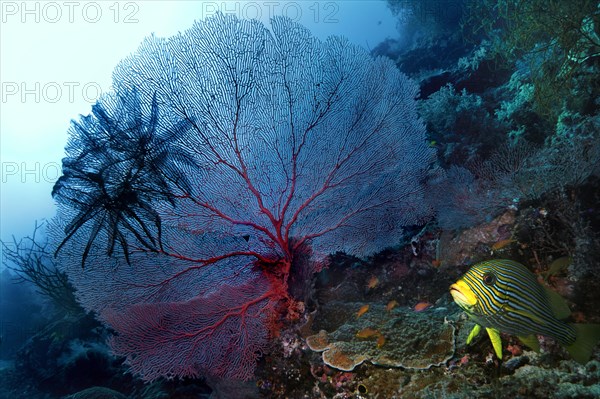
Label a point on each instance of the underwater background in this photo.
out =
(313, 206)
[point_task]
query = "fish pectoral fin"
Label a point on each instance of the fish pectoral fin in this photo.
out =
(474, 332)
(531, 341)
(557, 304)
(496, 341)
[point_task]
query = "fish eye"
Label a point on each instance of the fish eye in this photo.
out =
(489, 279)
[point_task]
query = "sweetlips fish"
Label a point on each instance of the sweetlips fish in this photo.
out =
(504, 296)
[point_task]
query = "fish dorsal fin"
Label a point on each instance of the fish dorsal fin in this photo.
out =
(559, 306)
(496, 341)
(474, 332)
(531, 341)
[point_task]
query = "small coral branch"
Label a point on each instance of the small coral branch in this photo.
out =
(32, 261)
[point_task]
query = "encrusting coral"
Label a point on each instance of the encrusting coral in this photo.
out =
(398, 337)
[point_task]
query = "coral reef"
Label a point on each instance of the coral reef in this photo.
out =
(263, 281)
(397, 337)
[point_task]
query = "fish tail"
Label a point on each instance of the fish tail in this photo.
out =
(588, 336)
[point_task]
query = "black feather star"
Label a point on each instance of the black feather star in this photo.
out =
(120, 165)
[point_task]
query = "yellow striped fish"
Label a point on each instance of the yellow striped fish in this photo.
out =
(503, 296)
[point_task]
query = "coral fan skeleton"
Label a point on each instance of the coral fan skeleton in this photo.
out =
(230, 159)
